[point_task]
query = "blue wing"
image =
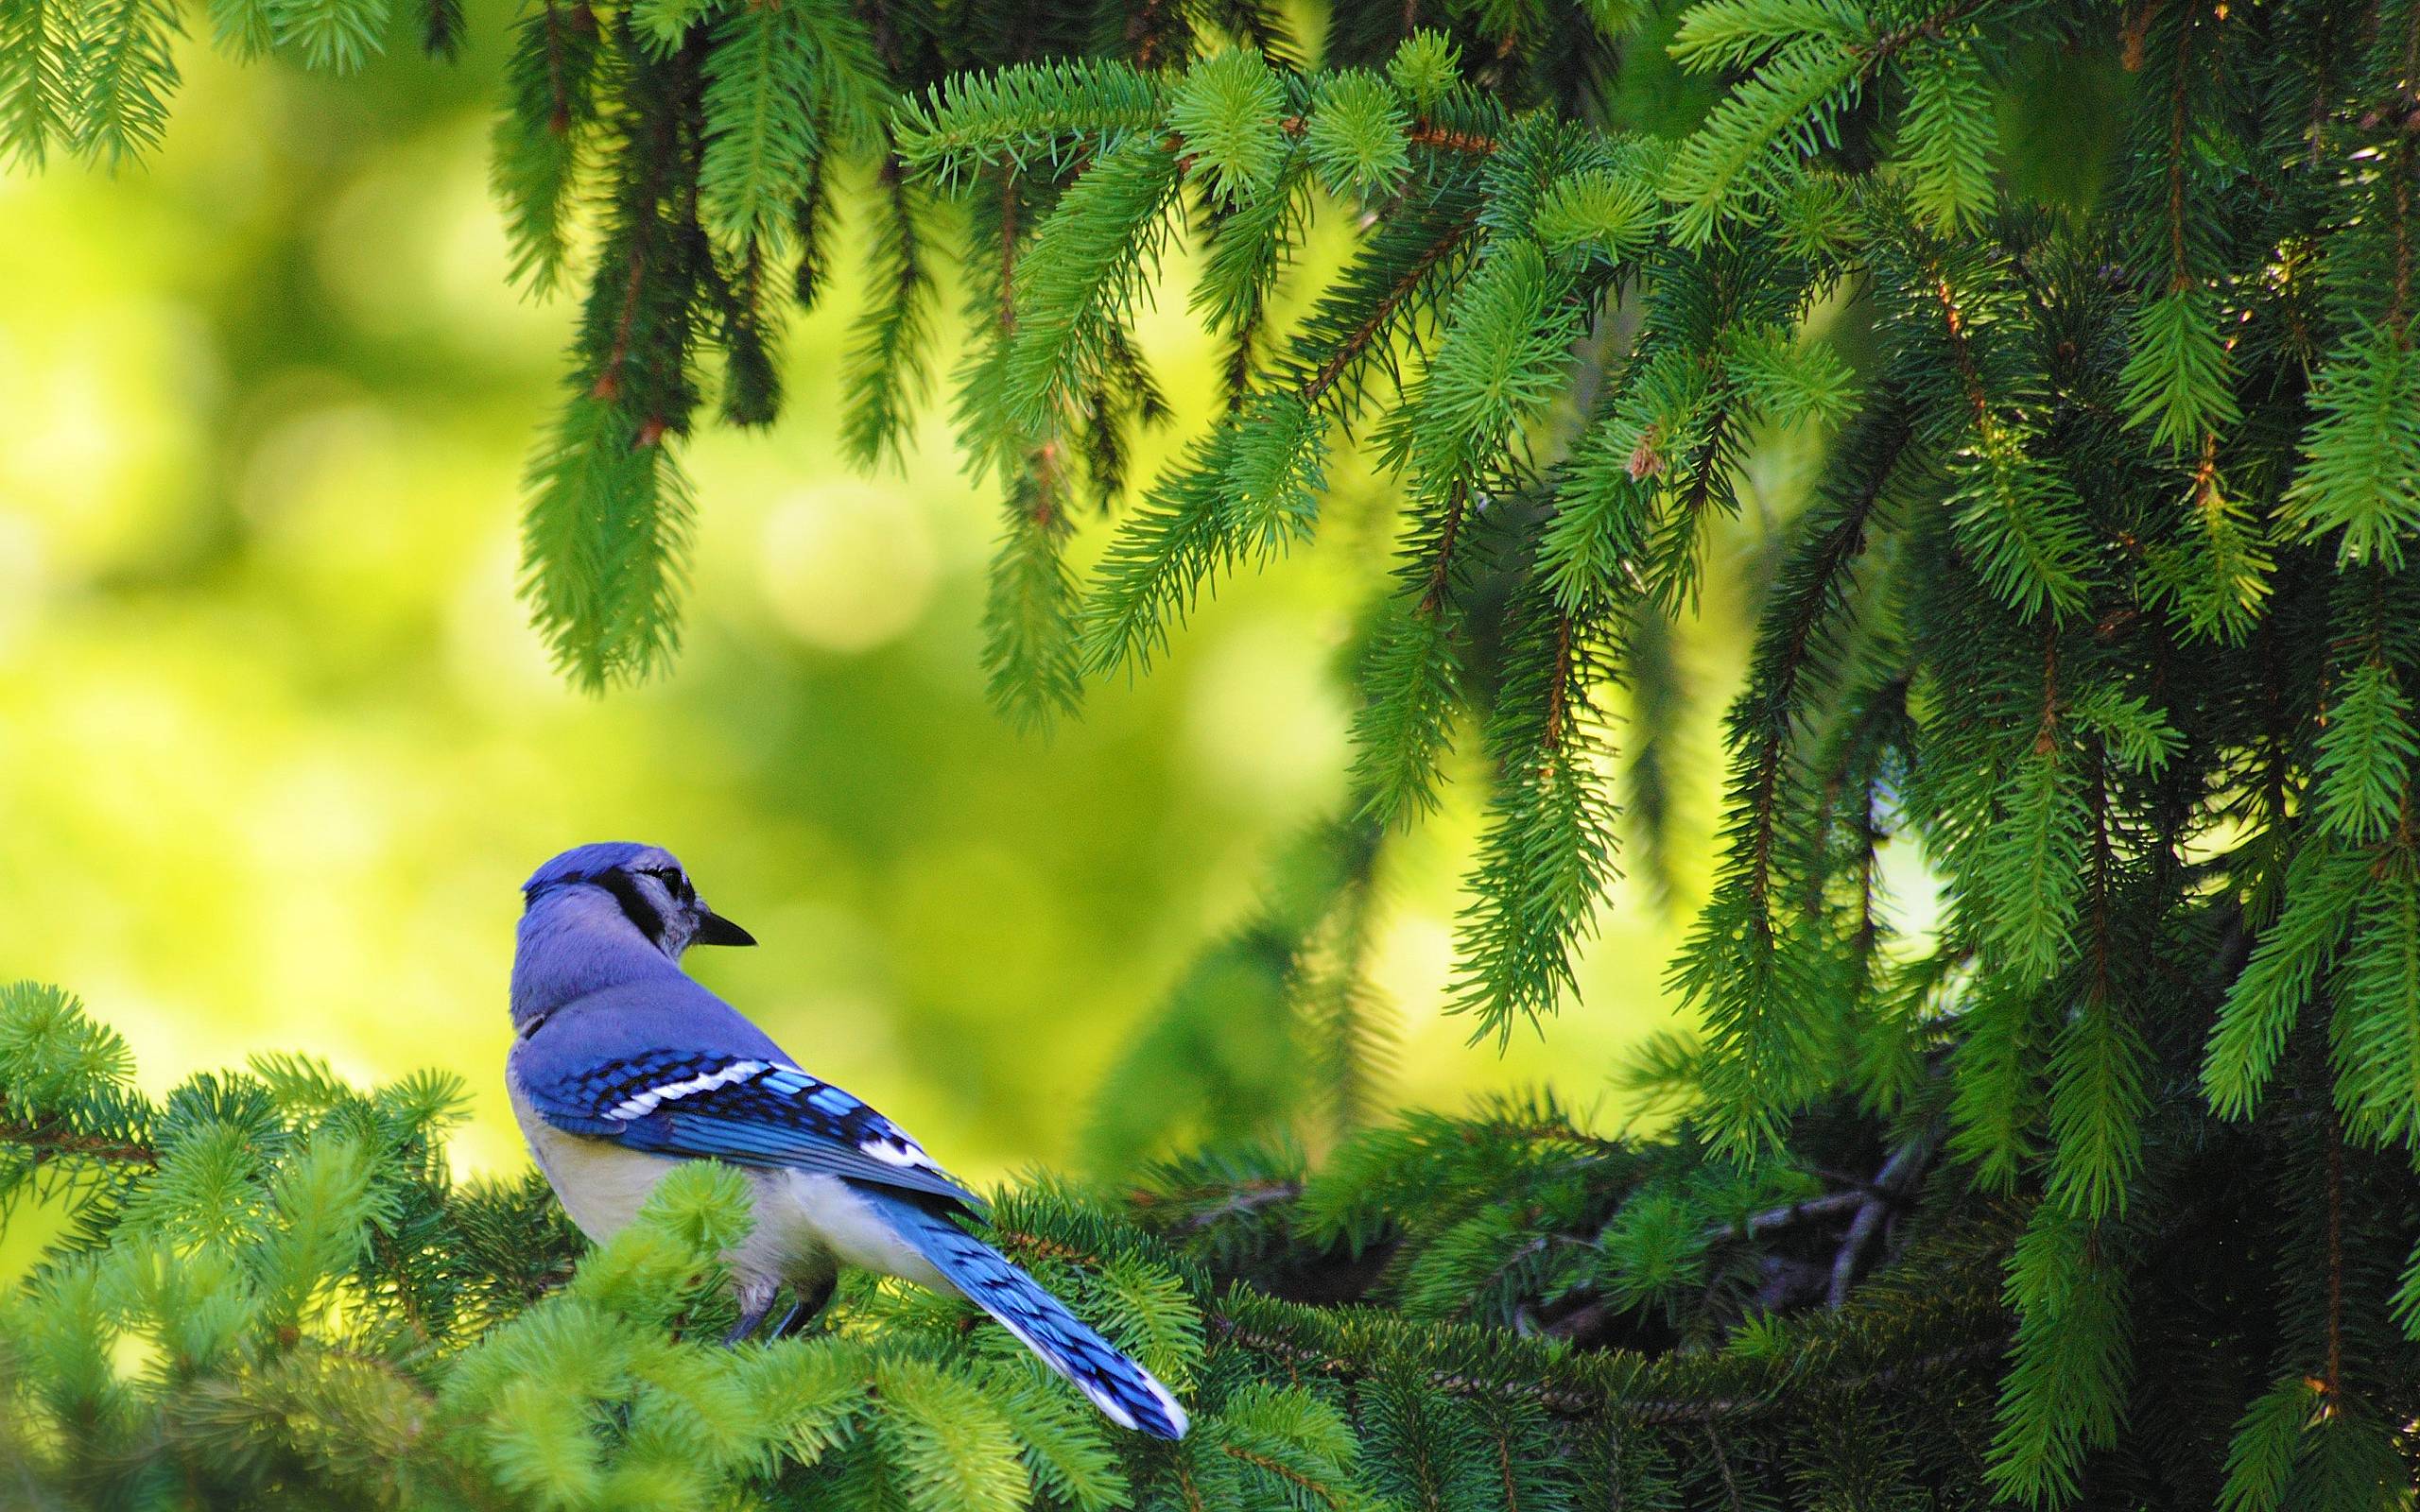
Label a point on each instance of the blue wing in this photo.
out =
(754, 1110)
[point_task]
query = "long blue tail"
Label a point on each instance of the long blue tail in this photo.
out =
(1119, 1388)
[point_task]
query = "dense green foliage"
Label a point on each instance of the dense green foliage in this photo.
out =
(2106, 318)
(321, 1319)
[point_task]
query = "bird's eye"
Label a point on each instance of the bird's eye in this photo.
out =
(673, 881)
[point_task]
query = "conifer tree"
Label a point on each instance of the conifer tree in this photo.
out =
(2100, 1192)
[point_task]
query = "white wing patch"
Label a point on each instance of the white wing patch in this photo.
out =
(639, 1105)
(847, 1120)
(898, 1149)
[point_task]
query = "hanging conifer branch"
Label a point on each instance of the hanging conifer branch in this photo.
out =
(1363, 340)
(1729, 967)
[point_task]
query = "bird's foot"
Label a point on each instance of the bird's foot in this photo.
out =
(751, 1317)
(808, 1306)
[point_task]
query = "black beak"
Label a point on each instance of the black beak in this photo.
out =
(712, 929)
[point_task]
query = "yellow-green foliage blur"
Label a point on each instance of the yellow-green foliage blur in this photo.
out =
(276, 747)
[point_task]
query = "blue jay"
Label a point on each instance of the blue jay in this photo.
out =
(622, 1066)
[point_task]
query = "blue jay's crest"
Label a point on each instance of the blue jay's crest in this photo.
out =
(583, 862)
(623, 1065)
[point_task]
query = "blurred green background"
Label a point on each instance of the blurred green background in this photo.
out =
(276, 747)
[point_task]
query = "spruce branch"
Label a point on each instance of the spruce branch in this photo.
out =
(1811, 62)
(886, 373)
(1755, 1026)
(45, 1140)
(123, 76)
(1547, 856)
(39, 46)
(1357, 343)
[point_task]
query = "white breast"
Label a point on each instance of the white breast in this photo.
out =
(599, 1182)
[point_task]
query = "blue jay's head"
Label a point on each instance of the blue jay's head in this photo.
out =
(649, 886)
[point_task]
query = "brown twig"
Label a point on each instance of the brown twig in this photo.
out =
(1263, 1462)
(50, 1142)
(1367, 332)
(1439, 570)
(1811, 1210)
(2179, 110)
(1897, 1172)
(1582, 1402)
(1559, 691)
(1248, 1198)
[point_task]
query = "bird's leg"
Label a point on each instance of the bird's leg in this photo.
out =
(754, 1305)
(811, 1302)
(782, 1329)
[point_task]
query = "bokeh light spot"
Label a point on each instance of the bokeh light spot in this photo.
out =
(847, 566)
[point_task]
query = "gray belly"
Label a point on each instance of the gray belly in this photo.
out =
(801, 1213)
